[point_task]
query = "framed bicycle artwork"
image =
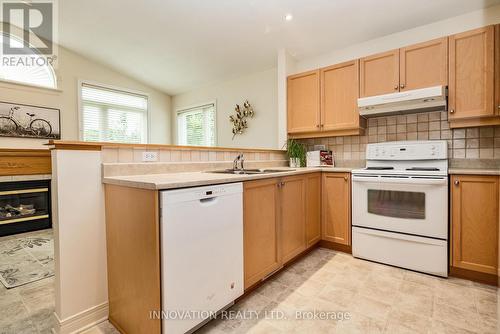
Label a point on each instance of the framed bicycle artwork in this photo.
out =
(20, 120)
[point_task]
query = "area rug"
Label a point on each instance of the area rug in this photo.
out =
(27, 259)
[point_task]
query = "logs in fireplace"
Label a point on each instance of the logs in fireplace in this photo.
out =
(24, 206)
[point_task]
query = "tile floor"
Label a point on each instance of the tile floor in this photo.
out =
(27, 308)
(373, 298)
(378, 299)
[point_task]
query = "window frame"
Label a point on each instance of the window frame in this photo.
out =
(28, 84)
(196, 106)
(112, 87)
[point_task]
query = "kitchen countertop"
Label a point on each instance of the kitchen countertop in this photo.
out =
(474, 171)
(193, 179)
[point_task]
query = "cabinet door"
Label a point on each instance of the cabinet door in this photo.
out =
(339, 96)
(474, 215)
(293, 226)
(424, 65)
(336, 208)
(379, 74)
(497, 68)
(261, 241)
(471, 82)
(303, 102)
(313, 208)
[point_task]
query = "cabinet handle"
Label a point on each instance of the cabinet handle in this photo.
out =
(322, 125)
(282, 184)
(457, 182)
(396, 87)
(317, 125)
(346, 178)
(402, 86)
(452, 111)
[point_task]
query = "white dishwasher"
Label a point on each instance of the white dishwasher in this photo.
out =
(201, 253)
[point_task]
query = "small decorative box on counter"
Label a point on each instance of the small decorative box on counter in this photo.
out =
(319, 158)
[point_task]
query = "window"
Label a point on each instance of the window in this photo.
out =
(32, 75)
(110, 115)
(196, 126)
(398, 204)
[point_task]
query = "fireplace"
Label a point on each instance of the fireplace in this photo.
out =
(24, 206)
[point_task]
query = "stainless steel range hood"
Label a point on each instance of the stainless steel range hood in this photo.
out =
(425, 99)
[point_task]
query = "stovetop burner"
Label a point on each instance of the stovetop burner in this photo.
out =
(423, 169)
(379, 168)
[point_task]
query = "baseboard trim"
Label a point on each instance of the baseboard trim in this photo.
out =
(81, 321)
(490, 279)
(335, 246)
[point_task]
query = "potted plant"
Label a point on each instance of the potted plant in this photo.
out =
(296, 152)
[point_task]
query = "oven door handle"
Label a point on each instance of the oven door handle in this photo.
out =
(401, 180)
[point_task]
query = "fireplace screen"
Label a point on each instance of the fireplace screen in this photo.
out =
(24, 206)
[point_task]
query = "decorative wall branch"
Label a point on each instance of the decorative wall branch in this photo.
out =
(240, 119)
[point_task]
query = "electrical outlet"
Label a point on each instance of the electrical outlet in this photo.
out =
(149, 156)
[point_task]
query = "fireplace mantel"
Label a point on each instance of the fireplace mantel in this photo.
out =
(24, 162)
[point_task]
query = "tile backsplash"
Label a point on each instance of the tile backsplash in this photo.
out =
(465, 143)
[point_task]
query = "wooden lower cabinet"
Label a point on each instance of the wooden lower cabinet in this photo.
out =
(133, 256)
(336, 208)
(281, 219)
(293, 216)
(261, 230)
(313, 209)
(474, 225)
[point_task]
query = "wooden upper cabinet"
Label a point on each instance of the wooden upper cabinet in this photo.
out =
(336, 208)
(471, 77)
(339, 96)
(303, 100)
(474, 220)
(379, 74)
(497, 68)
(293, 217)
(313, 208)
(424, 65)
(261, 233)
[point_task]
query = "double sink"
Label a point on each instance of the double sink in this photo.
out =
(250, 171)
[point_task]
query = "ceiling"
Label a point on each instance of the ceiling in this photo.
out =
(179, 45)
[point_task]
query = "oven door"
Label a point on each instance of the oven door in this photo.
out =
(414, 205)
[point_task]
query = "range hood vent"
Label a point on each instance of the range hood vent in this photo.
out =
(418, 100)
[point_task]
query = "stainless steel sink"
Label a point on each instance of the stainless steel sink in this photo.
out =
(249, 171)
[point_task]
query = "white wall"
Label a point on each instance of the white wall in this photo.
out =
(73, 67)
(424, 33)
(261, 91)
(286, 65)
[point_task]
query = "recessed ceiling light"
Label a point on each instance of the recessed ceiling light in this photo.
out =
(288, 17)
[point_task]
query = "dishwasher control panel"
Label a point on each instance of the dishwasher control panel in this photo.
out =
(215, 191)
(197, 193)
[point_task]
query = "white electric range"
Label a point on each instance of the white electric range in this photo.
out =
(400, 206)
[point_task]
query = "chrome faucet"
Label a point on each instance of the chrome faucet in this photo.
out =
(239, 159)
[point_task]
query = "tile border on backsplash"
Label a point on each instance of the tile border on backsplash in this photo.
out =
(134, 154)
